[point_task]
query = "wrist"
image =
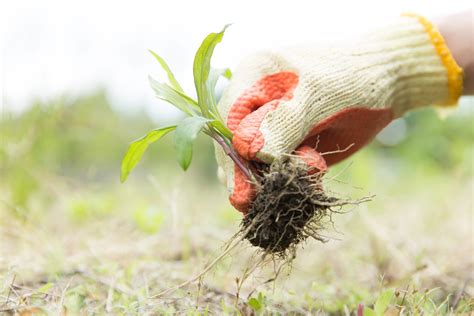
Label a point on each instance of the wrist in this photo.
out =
(420, 68)
(458, 34)
(411, 66)
(452, 71)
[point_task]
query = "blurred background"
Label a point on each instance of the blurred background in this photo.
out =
(72, 238)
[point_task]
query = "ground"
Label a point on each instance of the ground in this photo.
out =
(75, 241)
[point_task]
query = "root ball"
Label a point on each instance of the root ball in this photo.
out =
(289, 207)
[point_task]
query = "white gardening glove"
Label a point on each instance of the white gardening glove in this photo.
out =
(333, 98)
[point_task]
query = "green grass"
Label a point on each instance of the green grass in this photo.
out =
(73, 239)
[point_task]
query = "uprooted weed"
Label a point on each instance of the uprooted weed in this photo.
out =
(290, 206)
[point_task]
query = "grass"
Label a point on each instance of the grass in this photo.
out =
(74, 240)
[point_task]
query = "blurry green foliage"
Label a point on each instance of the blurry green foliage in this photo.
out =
(381, 304)
(84, 208)
(435, 143)
(74, 299)
(257, 303)
(432, 147)
(81, 141)
(79, 144)
(228, 216)
(80, 137)
(148, 220)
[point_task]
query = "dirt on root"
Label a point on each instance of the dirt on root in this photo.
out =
(289, 207)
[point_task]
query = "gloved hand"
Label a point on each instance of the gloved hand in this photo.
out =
(332, 99)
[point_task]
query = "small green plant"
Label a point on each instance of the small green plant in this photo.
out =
(287, 208)
(381, 305)
(202, 114)
(257, 303)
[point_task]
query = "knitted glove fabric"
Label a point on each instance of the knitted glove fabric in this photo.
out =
(332, 100)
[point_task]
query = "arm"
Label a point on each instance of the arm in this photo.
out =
(333, 99)
(458, 32)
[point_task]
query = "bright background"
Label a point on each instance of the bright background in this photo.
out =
(73, 238)
(53, 47)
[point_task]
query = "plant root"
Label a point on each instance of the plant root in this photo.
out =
(289, 207)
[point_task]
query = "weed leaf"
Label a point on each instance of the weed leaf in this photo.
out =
(383, 301)
(202, 67)
(174, 83)
(186, 132)
(222, 129)
(45, 288)
(369, 312)
(255, 304)
(169, 94)
(199, 112)
(214, 75)
(137, 148)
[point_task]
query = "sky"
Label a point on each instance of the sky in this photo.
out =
(54, 48)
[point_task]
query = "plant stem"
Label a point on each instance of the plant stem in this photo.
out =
(233, 155)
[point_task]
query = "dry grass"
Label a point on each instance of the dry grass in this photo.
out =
(52, 262)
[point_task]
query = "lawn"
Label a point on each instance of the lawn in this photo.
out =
(74, 240)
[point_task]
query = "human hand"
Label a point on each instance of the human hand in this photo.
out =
(329, 102)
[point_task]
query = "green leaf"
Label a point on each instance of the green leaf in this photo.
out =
(202, 67)
(255, 304)
(45, 288)
(383, 301)
(190, 101)
(186, 132)
(174, 97)
(369, 312)
(214, 75)
(137, 148)
(222, 129)
(74, 299)
(174, 83)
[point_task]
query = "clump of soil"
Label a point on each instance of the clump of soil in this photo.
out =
(289, 207)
